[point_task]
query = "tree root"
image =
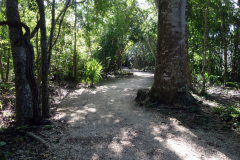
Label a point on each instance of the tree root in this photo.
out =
(30, 134)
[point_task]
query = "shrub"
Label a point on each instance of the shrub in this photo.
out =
(92, 71)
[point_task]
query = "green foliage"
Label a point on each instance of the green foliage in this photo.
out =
(233, 84)
(195, 109)
(92, 71)
(6, 86)
(5, 155)
(2, 144)
(229, 113)
(216, 79)
(48, 127)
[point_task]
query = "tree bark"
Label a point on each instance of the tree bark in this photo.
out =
(8, 63)
(170, 82)
(236, 54)
(136, 61)
(75, 47)
(1, 65)
(143, 58)
(189, 81)
(224, 41)
(27, 93)
(38, 58)
(204, 50)
(45, 65)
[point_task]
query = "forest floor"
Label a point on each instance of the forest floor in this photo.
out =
(104, 122)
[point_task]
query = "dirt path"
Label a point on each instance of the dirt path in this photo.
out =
(104, 123)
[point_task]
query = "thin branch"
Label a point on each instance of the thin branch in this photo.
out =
(39, 23)
(52, 32)
(63, 12)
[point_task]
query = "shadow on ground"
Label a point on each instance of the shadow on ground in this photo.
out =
(104, 123)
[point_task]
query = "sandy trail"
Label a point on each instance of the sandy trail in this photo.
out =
(104, 123)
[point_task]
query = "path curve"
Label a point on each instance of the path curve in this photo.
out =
(104, 123)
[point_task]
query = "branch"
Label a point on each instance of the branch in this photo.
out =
(16, 24)
(39, 23)
(76, 3)
(63, 12)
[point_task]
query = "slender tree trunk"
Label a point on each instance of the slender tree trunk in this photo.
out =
(193, 69)
(210, 66)
(204, 50)
(75, 47)
(143, 58)
(224, 41)
(170, 82)
(189, 82)
(38, 58)
(148, 39)
(136, 61)
(45, 68)
(236, 53)
(8, 64)
(1, 64)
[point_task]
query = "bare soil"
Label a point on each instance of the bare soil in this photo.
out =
(105, 123)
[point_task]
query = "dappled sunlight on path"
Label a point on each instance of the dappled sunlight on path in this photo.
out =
(104, 123)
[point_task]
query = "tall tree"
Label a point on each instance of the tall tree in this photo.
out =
(223, 40)
(186, 49)
(204, 49)
(27, 92)
(45, 64)
(170, 83)
(75, 47)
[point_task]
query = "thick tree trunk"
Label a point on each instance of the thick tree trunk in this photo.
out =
(204, 50)
(189, 81)
(27, 93)
(224, 41)
(170, 82)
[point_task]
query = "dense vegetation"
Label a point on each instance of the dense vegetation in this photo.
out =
(93, 38)
(44, 44)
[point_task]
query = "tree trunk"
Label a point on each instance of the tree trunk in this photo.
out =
(236, 53)
(136, 61)
(1, 65)
(170, 82)
(204, 50)
(186, 50)
(45, 67)
(8, 64)
(193, 69)
(75, 46)
(27, 93)
(37, 60)
(224, 41)
(143, 58)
